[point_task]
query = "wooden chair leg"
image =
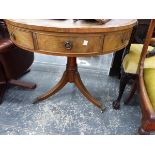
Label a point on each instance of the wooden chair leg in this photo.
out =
(141, 131)
(2, 92)
(143, 128)
(132, 92)
(22, 84)
(123, 81)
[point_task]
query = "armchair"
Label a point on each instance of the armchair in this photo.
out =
(147, 87)
(14, 62)
(130, 64)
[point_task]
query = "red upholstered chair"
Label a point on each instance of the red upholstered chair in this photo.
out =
(14, 62)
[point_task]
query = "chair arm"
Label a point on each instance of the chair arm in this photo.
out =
(5, 44)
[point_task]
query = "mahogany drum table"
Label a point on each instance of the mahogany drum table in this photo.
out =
(71, 39)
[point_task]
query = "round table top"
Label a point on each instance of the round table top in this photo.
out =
(70, 38)
(70, 26)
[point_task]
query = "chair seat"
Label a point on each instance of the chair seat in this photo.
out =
(149, 79)
(131, 60)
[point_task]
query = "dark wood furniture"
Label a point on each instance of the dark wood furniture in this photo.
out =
(146, 88)
(138, 36)
(14, 62)
(70, 39)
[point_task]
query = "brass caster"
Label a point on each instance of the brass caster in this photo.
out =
(35, 101)
(102, 109)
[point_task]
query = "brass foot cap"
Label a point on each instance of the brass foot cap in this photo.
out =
(35, 101)
(102, 109)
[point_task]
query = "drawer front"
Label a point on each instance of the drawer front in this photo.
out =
(116, 40)
(70, 44)
(21, 37)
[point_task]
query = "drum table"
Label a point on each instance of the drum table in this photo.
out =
(71, 39)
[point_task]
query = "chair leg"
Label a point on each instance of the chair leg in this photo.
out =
(123, 81)
(2, 92)
(132, 92)
(22, 84)
(3, 85)
(143, 128)
(141, 131)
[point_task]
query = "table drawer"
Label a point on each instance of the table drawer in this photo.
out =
(21, 37)
(116, 40)
(70, 43)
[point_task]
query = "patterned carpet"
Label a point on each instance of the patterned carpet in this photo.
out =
(67, 112)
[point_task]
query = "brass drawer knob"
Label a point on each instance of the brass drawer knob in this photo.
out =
(68, 45)
(13, 36)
